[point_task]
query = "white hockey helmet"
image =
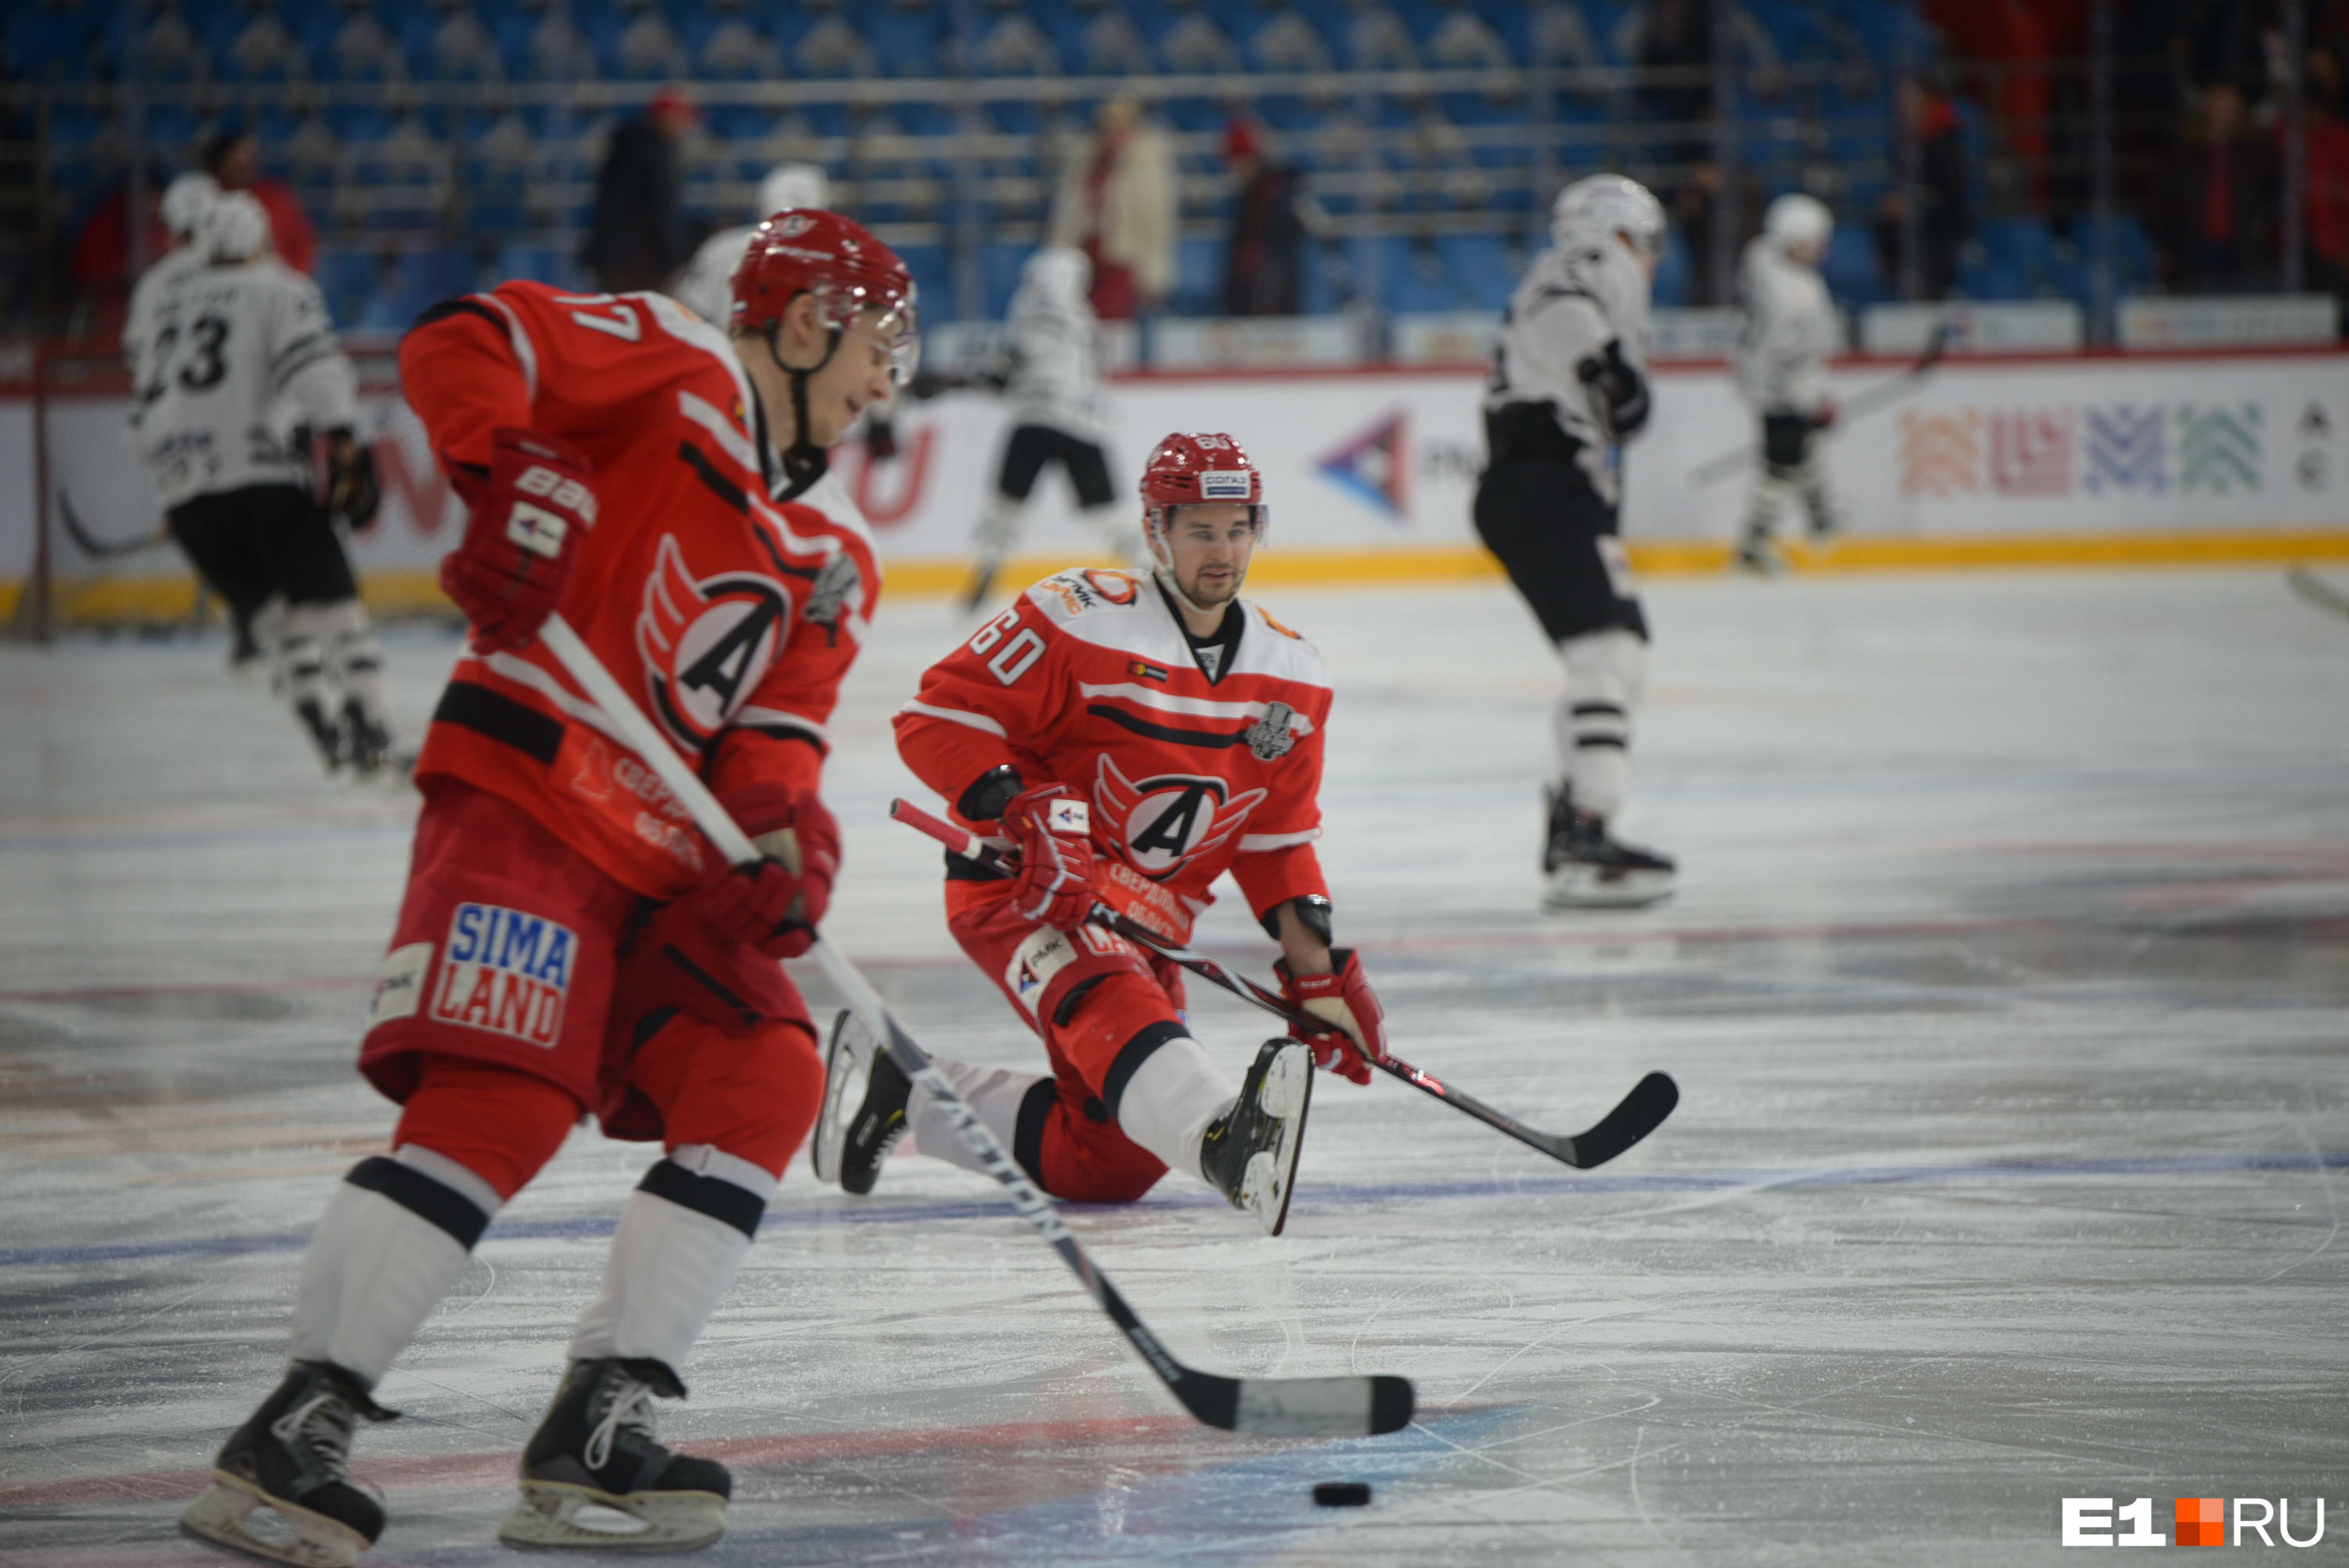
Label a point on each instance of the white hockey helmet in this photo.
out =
(789, 185)
(1795, 221)
(184, 200)
(1061, 273)
(235, 227)
(1604, 204)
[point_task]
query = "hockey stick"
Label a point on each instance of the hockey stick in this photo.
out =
(2317, 591)
(1271, 1406)
(98, 549)
(1641, 1112)
(1866, 402)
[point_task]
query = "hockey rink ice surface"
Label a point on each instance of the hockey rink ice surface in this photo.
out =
(2007, 988)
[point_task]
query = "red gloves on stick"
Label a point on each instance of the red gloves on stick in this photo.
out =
(1358, 1024)
(1050, 826)
(775, 905)
(522, 540)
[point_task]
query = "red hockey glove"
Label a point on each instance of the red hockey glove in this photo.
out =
(776, 904)
(1050, 826)
(1825, 418)
(1344, 998)
(523, 538)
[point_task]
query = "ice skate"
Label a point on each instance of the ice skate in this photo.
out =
(1758, 556)
(368, 750)
(854, 1136)
(594, 1477)
(1588, 870)
(325, 732)
(1249, 1154)
(289, 1464)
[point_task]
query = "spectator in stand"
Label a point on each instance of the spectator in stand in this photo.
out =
(1271, 218)
(2326, 200)
(2220, 234)
(1947, 223)
(1117, 203)
(101, 267)
(636, 237)
(232, 157)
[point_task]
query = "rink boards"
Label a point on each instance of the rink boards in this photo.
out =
(2069, 460)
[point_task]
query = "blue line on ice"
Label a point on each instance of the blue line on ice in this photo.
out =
(1314, 1196)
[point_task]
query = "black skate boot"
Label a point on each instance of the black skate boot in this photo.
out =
(597, 1448)
(1251, 1153)
(1588, 870)
(326, 733)
(367, 747)
(1757, 555)
(848, 1147)
(292, 1457)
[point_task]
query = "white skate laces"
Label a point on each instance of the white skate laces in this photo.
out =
(631, 1411)
(320, 1430)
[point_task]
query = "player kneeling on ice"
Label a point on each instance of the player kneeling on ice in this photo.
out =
(570, 942)
(1785, 333)
(1129, 739)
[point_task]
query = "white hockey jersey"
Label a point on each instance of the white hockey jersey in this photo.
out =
(1057, 380)
(1786, 332)
(235, 359)
(1574, 300)
(159, 283)
(706, 283)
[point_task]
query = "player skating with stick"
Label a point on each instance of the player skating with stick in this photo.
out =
(1785, 333)
(570, 942)
(1569, 387)
(1133, 738)
(236, 361)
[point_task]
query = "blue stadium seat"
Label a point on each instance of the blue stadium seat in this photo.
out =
(46, 45)
(1850, 266)
(348, 277)
(1479, 267)
(933, 276)
(1672, 273)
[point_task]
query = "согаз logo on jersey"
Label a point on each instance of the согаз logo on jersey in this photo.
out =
(705, 642)
(1164, 821)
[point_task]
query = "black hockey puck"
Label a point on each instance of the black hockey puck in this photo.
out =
(1342, 1493)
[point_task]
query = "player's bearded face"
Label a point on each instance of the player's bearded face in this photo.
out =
(1207, 549)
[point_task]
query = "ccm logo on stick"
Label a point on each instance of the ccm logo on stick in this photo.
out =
(2199, 1521)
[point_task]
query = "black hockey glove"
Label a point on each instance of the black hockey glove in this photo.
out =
(352, 493)
(1619, 393)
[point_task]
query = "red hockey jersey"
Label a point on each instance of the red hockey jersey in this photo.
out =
(1089, 680)
(730, 616)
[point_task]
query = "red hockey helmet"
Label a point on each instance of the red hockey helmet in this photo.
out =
(1186, 470)
(808, 250)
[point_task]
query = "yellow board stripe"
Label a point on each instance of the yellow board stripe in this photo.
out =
(130, 601)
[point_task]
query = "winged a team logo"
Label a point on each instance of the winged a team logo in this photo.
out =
(705, 642)
(1164, 821)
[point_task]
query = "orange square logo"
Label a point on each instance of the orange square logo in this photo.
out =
(2201, 1521)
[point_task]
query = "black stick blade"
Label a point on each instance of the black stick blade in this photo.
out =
(1642, 1112)
(1315, 1407)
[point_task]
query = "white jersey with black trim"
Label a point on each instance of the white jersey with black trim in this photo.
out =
(1572, 303)
(1786, 332)
(235, 359)
(1057, 379)
(159, 283)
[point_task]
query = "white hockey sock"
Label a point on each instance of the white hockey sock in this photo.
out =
(393, 1239)
(994, 1095)
(353, 659)
(1770, 495)
(682, 1233)
(1170, 1101)
(268, 630)
(304, 634)
(998, 528)
(1605, 672)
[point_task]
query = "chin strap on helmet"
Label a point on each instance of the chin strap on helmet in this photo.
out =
(803, 461)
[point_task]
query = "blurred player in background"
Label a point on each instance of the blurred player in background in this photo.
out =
(1570, 386)
(706, 283)
(569, 941)
(238, 370)
(1785, 334)
(1054, 385)
(1131, 739)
